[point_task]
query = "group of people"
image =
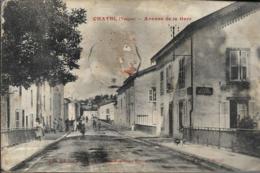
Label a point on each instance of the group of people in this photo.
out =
(96, 124)
(82, 123)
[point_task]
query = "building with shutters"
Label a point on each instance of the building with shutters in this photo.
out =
(137, 102)
(208, 74)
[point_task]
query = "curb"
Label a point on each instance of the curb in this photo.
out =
(38, 152)
(197, 159)
(188, 156)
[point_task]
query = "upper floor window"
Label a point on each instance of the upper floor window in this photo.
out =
(152, 94)
(238, 64)
(161, 83)
(181, 79)
(50, 104)
(31, 98)
(169, 78)
(107, 111)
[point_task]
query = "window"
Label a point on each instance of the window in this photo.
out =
(50, 120)
(44, 102)
(152, 94)
(107, 111)
(50, 104)
(181, 80)
(23, 118)
(169, 78)
(32, 125)
(162, 109)
(161, 83)
(26, 121)
(238, 59)
(17, 119)
(31, 98)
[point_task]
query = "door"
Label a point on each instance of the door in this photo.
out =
(181, 111)
(238, 110)
(171, 118)
(233, 114)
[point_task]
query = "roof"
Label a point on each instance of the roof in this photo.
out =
(137, 74)
(219, 18)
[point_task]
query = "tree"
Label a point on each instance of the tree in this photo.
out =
(41, 41)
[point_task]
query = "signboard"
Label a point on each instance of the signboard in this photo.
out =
(204, 91)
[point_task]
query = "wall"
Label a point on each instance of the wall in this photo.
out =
(210, 47)
(183, 51)
(71, 111)
(58, 103)
(46, 96)
(90, 114)
(104, 115)
(125, 106)
(23, 101)
(4, 111)
(146, 112)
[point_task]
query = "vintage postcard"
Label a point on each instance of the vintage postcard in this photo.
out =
(130, 86)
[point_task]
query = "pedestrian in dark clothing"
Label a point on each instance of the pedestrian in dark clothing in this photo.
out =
(99, 125)
(94, 124)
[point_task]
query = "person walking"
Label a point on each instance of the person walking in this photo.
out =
(94, 124)
(39, 130)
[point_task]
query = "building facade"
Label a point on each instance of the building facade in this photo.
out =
(137, 102)
(125, 104)
(214, 78)
(90, 113)
(107, 111)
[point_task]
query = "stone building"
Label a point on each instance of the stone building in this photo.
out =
(107, 111)
(125, 104)
(21, 108)
(208, 74)
(137, 102)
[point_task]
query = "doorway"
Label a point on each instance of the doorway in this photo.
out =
(238, 110)
(181, 113)
(171, 118)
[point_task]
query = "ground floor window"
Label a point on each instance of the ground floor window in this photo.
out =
(26, 121)
(17, 119)
(162, 109)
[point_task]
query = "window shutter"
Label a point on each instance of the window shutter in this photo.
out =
(227, 64)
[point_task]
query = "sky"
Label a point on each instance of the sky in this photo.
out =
(111, 48)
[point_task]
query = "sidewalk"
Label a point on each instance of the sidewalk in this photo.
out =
(14, 155)
(221, 157)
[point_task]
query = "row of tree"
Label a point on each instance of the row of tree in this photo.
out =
(40, 41)
(99, 99)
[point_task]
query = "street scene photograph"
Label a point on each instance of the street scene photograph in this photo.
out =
(130, 86)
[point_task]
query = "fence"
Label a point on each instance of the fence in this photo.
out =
(245, 141)
(16, 136)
